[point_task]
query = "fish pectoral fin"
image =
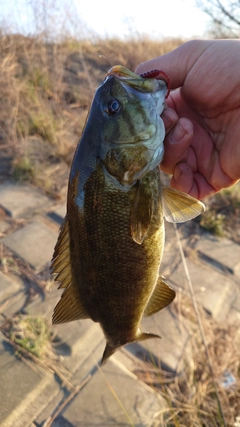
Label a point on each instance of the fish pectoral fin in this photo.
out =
(61, 264)
(69, 308)
(161, 297)
(179, 206)
(141, 213)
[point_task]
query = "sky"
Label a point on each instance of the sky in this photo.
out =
(155, 18)
(167, 18)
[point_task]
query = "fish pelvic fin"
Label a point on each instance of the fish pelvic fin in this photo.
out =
(161, 297)
(180, 207)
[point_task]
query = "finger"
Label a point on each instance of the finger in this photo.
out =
(177, 63)
(194, 184)
(170, 118)
(182, 179)
(176, 144)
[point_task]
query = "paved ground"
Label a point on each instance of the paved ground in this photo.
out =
(30, 396)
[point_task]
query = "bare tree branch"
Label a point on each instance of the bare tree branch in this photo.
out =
(227, 13)
(224, 14)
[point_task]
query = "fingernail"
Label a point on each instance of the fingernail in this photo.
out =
(177, 133)
(177, 172)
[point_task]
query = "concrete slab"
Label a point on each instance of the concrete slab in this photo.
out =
(233, 316)
(43, 306)
(82, 361)
(119, 400)
(14, 304)
(20, 388)
(8, 285)
(236, 302)
(38, 392)
(170, 350)
(61, 422)
(4, 226)
(58, 214)
(215, 291)
(68, 335)
(22, 200)
(37, 389)
(12, 294)
(222, 251)
(171, 254)
(34, 243)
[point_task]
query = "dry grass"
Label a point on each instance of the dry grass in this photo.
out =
(192, 396)
(32, 334)
(222, 216)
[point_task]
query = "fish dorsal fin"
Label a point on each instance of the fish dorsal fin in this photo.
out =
(61, 264)
(141, 213)
(69, 307)
(162, 296)
(179, 206)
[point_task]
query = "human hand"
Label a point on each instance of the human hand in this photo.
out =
(202, 145)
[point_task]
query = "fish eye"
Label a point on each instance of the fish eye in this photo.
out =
(113, 107)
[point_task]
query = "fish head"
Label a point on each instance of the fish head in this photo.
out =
(132, 130)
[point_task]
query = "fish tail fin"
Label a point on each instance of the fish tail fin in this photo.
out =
(107, 353)
(141, 336)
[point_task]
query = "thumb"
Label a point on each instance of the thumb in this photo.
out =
(178, 63)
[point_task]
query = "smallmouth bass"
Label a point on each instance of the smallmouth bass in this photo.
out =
(110, 245)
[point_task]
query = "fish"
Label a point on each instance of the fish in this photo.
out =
(110, 246)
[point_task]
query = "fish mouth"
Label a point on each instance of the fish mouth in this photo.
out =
(122, 72)
(137, 82)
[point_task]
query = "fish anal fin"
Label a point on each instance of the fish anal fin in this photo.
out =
(180, 207)
(69, 308)
(161, 297)
(141, 213)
